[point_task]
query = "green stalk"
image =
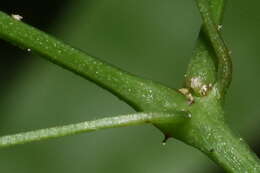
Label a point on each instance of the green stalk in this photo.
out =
(211, 29)
(176, 118)
(137, 92)
(202, 69)
(207, 131)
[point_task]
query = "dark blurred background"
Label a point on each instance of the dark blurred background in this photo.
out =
(153, 39)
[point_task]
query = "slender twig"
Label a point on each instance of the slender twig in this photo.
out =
(88, 126)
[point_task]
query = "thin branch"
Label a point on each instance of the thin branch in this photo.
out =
(137, 92)
(212, 31)
(174, 119)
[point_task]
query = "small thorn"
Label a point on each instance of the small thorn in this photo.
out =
(166, 137)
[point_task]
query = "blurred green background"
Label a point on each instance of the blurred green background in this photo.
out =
(150, 38)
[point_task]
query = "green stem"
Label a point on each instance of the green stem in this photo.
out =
(202, 69)
(139, 93)
(217, 10)
(210, 27)
(228, 150)
(89, 126)
(207, 131)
